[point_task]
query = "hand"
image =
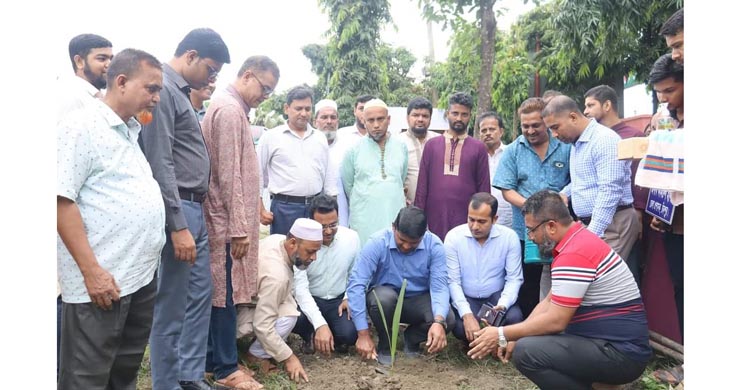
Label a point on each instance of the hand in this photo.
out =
(499, 307)
(345, 306)
(324, 340)
(101, 287)
(239, 247)
(436, 340)
(659, 225)
(184, 246)
(365, 346)
(266, 217)
(506, 353)
(485, 341)
(471, 326)
(294, 369)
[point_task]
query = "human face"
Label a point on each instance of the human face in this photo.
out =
(139, 92)
(534, 129)
(327, 119)
(564, 126)
(490, 133)
(256, 87)
(377, 121)
(671, 92)
(404, 243)
(204, 93)
(480, 222)
(419, 120)
(299, 113)
(330, 222)
(537, 232)
(95, 65)
(676, 43)
(306, 252)
(201, 70)
(458, 118)
(359, 115)
(593, 109)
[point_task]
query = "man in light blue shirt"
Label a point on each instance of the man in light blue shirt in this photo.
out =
(484, 266)
(405, 252)
(599, 183)
(320, 289)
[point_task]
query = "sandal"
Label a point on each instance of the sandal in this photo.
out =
(240, 380)
(672, 376)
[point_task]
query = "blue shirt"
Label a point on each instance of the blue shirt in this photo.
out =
(380, 263)
(599, 182)
(478, 271)
(522, 171)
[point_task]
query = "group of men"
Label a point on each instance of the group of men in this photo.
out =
(159, 243)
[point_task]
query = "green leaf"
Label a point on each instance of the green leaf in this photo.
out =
(397, 321)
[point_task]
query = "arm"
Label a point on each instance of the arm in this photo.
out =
(482, 171)
(454, 275)
(271, 293)
(439, 280)
(305, 300)
(513, 274)
(423, 179)
(266, 217)
(347, 171)
(359, 281)
(330, 181)
(506, 177)
(514, 198)
(613, 178)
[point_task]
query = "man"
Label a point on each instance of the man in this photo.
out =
(484, 267)
(352, 134)
(406, 252)
(532, 162)
(599, 182)
(453, 168)
(491, 133)
(232, 210)
(601, 104)
(174, 146)
(273, 317)
(373, 174)
(110, 225)
(673, 32)
(199, 96)
(591, 329)
(293, 160)
(327, 121)
(90, 55)
(320, 290)
(418, 117)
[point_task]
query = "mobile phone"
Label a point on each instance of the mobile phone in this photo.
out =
(493, 317)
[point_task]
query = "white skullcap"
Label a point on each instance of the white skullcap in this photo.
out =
(375, 103)
(326, 103)
(307, 229)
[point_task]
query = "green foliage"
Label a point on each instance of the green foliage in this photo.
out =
(393, 334)
(270, 113)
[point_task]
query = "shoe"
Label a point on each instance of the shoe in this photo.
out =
(341, 348)
(196, 385)
(411, 351)
(384, 358)
(307, 347)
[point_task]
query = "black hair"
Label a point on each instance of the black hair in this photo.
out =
(323, 204)
(419, 103)
(547, 205)
(259, 64)
(480, 198)
(664, 68)
(461, 98)
(82, 44)
(411, 222)
(602, 93)
(674, 24)
(491, 114)
(300, 92)
(207, 43)
(560, 104)
(363, 99)
(128, 62)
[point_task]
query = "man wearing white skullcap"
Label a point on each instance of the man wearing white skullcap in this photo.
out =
(273, 317)
(373, 174)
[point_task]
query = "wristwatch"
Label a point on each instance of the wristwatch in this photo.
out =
(501, 341)
(442, 322)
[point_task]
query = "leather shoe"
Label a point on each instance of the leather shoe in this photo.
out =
(307, 347)
(196, 385)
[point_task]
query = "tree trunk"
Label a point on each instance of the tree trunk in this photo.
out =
(488, 31)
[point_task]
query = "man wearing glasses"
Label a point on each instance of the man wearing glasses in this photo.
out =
(174, 146)
(233, 212)
(320, 290)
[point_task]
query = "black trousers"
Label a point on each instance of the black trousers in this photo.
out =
(674, 246)
(343, 329)
(528, 295)
(103, 349)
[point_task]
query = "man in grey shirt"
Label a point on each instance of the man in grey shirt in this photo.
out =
(174, 146)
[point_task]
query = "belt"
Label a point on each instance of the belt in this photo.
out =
(293, 199)
(192, 196)
(587, 220)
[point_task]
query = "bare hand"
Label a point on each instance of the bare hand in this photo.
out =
(266, 217)
(365, 347)
(101, 287)
(239, 247)
(659, 225)
(345, 306)
(436, 340)
(294, 369)
(485, 341)
(506, 353)
(184, 246)
(324, 340)
(471, 326)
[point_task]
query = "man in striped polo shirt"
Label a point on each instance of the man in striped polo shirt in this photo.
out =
(591, 328)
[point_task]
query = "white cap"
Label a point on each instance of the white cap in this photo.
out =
(375, 103)
(307, 229)
(326, 103)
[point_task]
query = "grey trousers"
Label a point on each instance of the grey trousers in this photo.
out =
(103, 349)
(622, 233)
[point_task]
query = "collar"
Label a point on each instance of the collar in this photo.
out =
(494, 232)
(459, 137)
(231, 90)
(172, 76)
(86, 85)
(115, 122)
(284, 255)
(392, 242)
(499, 150)
(308, 132)
(574, 229)
(588, 132)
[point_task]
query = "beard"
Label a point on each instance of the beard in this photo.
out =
(330, 135)
(301, 265)
(360, 124)
(458, 127)
(547, 246)
(100, 82)
(419, 131)
(376, 137)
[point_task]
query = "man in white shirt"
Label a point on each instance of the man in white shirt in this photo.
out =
(484, 267)
(293, 160)
(418, 117)
(491, 133)
(90, 56)
(327, 121)
(320, 290)
(352, 134)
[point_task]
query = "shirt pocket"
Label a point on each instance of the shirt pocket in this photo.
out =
(557, 174)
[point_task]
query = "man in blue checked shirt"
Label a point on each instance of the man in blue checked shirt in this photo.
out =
(407, 251)
(599, 183)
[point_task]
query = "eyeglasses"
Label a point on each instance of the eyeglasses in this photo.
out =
(331, 226)
(212, 72)
(528, 233)
(266, 89)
